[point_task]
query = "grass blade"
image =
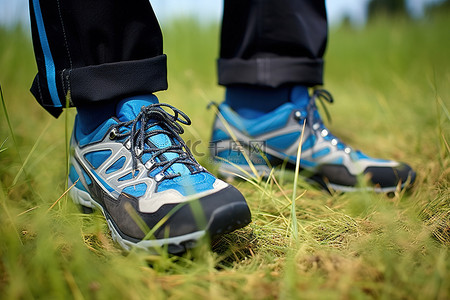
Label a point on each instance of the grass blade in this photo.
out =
(294, 192)
(22, 168)
(8, 121)
(1, 146)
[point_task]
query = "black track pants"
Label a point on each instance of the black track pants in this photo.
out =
(104, 50)
(271, 43)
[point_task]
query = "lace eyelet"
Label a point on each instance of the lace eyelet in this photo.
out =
(158, 177)
(297, 115)
(149, 164)
(138, 151)
(113, 134)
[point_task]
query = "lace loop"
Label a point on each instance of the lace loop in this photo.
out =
(321, 95)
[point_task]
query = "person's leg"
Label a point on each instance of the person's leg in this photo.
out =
(271, 52)
(272, 45)
(94, 53)
(127, 158)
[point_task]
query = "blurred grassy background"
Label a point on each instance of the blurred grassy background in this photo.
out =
(390, 81)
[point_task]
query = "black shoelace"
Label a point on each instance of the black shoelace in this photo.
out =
(321, 95)
(139, 132)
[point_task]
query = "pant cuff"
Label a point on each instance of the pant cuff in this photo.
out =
(105, 83)
(271, 72)
(114, 81)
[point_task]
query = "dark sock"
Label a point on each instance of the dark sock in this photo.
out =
(300, 96)
(253, 101)
(90, 117)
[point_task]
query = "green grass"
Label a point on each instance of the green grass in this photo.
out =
(391, 86)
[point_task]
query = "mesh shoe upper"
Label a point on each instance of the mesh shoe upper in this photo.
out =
(278, 135)
(138, 161)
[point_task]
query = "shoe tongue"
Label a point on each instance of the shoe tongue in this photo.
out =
(129, 108)
(300, 96)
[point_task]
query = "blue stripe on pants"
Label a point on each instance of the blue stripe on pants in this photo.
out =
(49, 64)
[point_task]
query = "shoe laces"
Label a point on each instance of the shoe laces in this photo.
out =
(315, 121)
(139, 132)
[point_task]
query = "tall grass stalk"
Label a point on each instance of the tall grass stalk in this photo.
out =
(8, 121)
(294, 221)
(3, 144)
(32, 151)
(16, 146)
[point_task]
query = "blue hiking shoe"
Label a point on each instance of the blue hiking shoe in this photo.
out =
(272, 140)
(139, 173)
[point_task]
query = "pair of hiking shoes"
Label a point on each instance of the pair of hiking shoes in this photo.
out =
(136, 169)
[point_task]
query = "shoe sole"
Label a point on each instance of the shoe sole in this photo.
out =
(228, 171)
(224, 219)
